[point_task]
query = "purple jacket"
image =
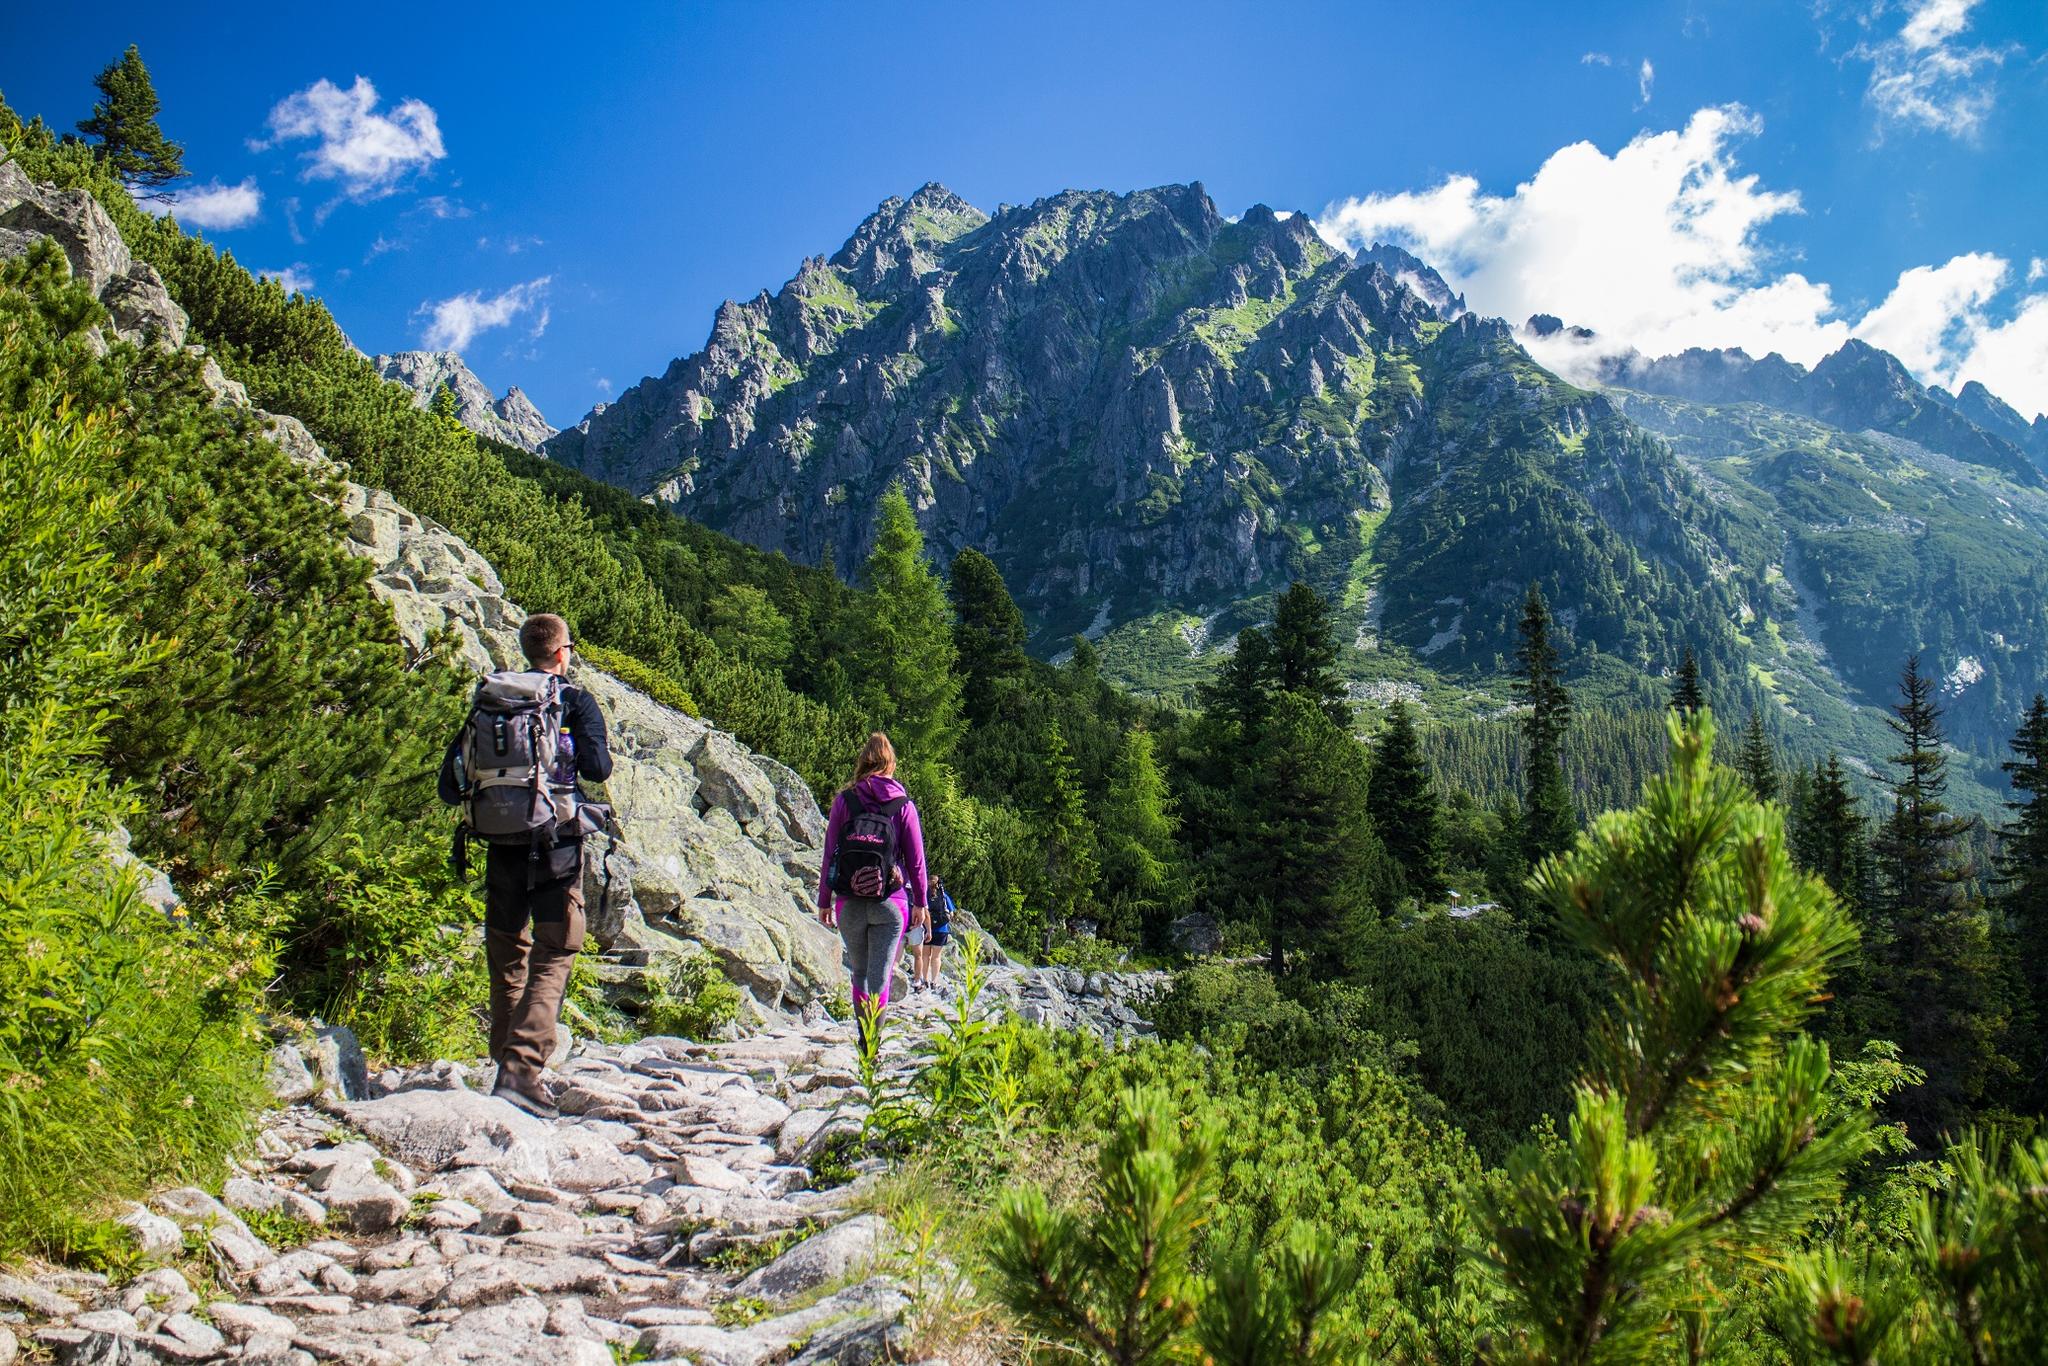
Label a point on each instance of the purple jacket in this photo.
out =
(874, 790)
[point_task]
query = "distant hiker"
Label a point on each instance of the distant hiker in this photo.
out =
(513, 769)
(872, 882)
(927, 956)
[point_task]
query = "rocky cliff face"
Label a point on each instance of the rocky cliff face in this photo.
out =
(1134, 404)
(512, 419)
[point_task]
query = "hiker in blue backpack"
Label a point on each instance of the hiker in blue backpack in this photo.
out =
(927, 957)
(872, 882)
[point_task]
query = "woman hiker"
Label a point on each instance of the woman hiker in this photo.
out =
(872, 882)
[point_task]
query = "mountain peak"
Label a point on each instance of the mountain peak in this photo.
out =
(512, 419)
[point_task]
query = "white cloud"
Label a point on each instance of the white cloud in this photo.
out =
(1923, 77)
(1646, 78)
(369, 152)
(456, 321)
(604, 386)
(2011, 358)
(441, 206)
(1661, 246)
(212, 205)
(1656, 246)
(293, 277)
(1596, 59)
(2036, 268)
(1931, 311)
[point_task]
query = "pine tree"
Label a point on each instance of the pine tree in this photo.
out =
(1404, 806)
(1758, 762)
(1547, 817)
(1140, 860)
(445, 405)
(906, 665)
(1242, 691)
(1686, 693)
(1705, 1133)
(124, 121)
(1305, 652)
(988, 632)
(1833, 839)
(2023, 887)
(1309, 853)
(1072, 861)
(1937, 976)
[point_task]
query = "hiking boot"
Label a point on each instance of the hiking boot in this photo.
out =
(534, 1101)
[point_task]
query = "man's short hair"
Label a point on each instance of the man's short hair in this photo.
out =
(542, 634)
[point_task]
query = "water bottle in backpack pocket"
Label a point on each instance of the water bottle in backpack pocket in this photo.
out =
(864, 864)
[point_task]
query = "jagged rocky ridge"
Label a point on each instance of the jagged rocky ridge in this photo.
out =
(512, 419)
(1856, 388)
(1133, 403)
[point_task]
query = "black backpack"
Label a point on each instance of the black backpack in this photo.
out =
(864, 864)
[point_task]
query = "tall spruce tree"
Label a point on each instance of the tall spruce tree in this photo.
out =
(1548, 822)
(1311, 856)
(124, 123)
(1073, 863)
(1832, 838)
(1686, 694)
(1404, 806)
(2023, 891)
(906, 665)
(1141, 876)
(988, 632)
(1938, 976)
(1242, 691)
(1757, 761)
(1305, 651)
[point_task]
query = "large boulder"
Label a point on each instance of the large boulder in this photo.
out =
(441, 1130)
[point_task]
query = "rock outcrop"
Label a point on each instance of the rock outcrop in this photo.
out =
(512, 419)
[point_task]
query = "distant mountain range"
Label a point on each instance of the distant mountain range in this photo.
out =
(512, 419)
(1153, 417)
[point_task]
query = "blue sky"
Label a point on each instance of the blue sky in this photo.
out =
(566, 193)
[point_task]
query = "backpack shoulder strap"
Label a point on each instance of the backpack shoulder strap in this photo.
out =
(854, 805)
(894, 804)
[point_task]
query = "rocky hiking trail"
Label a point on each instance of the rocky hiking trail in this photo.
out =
(676, 1212)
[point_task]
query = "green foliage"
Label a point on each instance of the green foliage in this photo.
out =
(1072, 861)
(381, 939)
(124, 124)
(1117, 1280)
(1404, 807)
(1757, 761)
(1547, 822)
(1143, 884)
(689, 997)
(988, 632)
(2023, 889)
(746, 621)
(905, 665)
(1305, 651)
(1701, 1135)
(127, 1048)
(630, 671)
(1938, 985)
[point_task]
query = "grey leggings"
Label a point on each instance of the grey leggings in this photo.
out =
(872, 932)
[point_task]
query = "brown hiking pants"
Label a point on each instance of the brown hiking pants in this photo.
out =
(531, 936)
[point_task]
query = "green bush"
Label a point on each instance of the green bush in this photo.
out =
(127, 1050)
(689, 997)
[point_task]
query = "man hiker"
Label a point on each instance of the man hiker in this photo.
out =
(533, 887)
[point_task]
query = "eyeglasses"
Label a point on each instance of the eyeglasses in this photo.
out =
(566, 645)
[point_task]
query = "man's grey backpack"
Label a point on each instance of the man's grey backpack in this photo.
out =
(507, 756)
(514, 768)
